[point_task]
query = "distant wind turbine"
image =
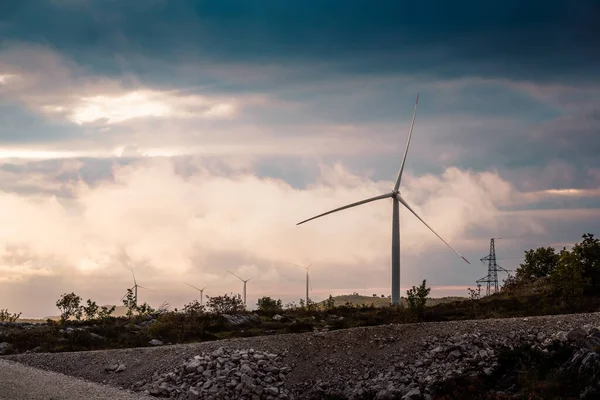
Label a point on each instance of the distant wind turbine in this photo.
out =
(200, 290)
(396, 200)
(307, 268)
(135, 287)
(245, 281)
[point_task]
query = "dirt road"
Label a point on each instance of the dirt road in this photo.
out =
(20, 382)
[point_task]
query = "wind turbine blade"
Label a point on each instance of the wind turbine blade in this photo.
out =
(204, 287)
(412, 124)
(358, 203)
(132, 273)
(235, 275)
(296, 265)
(401, 200)
(192, 286)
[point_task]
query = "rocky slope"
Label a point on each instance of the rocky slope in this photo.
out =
(392, 361)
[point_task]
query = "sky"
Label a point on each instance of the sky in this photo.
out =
(187, 138)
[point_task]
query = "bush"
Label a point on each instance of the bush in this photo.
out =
(194, 308)
(417, 298)
(91, 310)
(226, 304)
(184, 327)
(268, 304)
(5, 316)
(69, 306)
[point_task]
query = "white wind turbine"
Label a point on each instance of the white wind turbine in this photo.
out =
(135, 287)
(307, 268)
(200, 290)
(245, 281)
(396, 200)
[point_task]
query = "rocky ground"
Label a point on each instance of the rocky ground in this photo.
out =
(391, 361)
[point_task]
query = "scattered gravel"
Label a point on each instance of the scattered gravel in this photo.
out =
(224, 373)
(391, 361)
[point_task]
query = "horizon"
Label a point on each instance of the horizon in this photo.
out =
(188, 138)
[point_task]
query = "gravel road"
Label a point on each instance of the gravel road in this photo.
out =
(20, 382)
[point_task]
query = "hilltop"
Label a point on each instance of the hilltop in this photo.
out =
(375, 301)
(120, 311)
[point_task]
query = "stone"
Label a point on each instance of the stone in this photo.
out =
(95, 336)
(576, 334)
(4, 347)
(413, 394)
(156, 342)
(193, 394)
(111, 367)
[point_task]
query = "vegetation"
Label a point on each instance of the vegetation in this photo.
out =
(267, 304)
(417, 298)
(226, 304)
(69, 306)
(547, 282)
(5, 316)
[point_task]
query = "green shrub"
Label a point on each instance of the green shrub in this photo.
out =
(5, 316)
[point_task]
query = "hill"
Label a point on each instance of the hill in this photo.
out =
(358, 300)
(120, 311)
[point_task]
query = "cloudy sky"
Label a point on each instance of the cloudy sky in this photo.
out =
(189, 137)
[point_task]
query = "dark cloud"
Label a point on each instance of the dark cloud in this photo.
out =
(535, 39)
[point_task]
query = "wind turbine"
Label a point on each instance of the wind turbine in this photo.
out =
(200, 290)
(396, 201)
(135, 287)
(307, 268)
(245, 281)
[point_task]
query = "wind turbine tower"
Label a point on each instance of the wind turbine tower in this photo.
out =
(200, 290)
(307, 268)
(245, 281)
(135, 287)
(397, 199)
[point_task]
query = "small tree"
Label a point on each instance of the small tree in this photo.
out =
(474, 295)
(130, 303)
(90, 310)
(330, 303)
(291, 305)
(588, 254)
(226, 304)
(69, 306)
(105, 312)
(145, 310)
(194, 308)
(5, 316)
(417, 298)
(538, 264)
(268, 304)
(567, 278)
